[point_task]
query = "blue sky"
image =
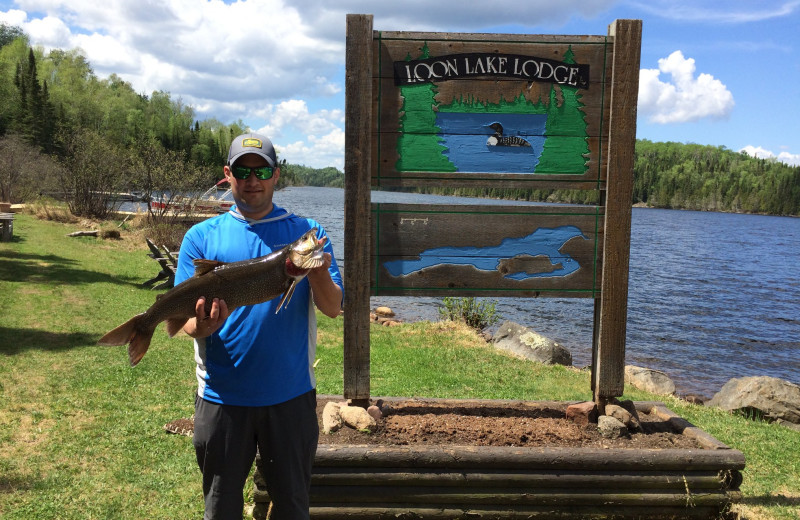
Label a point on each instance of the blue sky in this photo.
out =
(724, 73)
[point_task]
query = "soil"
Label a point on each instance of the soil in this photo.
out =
(517, 424)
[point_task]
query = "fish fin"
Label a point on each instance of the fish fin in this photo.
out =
(287, 296)
(203, 266)
(175, 325)
(129, 332)
(122, 334)
(138, 346)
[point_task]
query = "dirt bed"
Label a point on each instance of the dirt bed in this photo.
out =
(415, 422)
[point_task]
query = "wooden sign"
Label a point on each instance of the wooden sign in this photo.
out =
(500, 110)
(517, 251)
(490, 110)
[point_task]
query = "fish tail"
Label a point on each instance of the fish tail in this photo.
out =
(130, 333)
(138, 346)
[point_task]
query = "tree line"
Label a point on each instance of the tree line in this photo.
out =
(683, 176)
(62, 129)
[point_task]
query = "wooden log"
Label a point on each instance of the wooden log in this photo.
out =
(358, 120)
(493, 457)
(610, 338)
(355, 512)
(533, 479)
(93, 233)
(509, 497)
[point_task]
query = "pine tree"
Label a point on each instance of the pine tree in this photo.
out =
(36, 117)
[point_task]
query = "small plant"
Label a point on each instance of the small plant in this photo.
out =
(477, 315)
(167, 234)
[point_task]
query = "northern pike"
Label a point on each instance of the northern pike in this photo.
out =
(238, 283)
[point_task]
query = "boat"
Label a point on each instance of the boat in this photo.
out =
(217, 199)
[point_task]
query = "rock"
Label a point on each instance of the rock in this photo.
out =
(391, 323)
(384, 311)
(582, 413)
(357, 418)
(530, 345)
(761, 396)
(375, 412)
(383, 407)
(331, 418)
(649, 380)
(611, 428)
(630, 420)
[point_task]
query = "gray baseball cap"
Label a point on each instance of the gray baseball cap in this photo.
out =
(252, 143)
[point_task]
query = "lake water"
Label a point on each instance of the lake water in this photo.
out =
(712, 296)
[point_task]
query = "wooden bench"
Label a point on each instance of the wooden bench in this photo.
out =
(6, 227)
(168, 262)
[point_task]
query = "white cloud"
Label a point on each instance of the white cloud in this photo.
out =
(49, 31)
(684, 97)
(317, 152)
(323, 138)
(792, 159)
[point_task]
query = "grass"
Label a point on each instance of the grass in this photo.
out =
(81, 432)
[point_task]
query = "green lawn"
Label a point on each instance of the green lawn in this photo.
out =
(81, 431)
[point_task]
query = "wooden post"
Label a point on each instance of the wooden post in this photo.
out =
(610, 348)
(357, 166)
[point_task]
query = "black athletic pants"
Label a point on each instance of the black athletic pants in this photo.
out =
(225, 441)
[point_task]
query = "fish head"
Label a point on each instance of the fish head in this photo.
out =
(307, 251)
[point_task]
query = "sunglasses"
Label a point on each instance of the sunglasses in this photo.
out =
(243, 172)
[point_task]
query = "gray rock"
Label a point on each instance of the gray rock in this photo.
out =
(623, 415)
(611, 428)
(524, 342)
(762, 396)
(653, 381)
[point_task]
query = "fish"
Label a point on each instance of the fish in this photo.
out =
(247, 282)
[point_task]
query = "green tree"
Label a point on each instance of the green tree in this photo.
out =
(165, 176)
(9, 33)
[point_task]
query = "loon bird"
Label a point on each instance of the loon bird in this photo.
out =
(498, 140)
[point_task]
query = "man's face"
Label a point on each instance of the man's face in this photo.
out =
(253, 196)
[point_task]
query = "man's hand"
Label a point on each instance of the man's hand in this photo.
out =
(204, 325)
(327, 295)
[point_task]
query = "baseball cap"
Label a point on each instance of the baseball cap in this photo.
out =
(252, 143)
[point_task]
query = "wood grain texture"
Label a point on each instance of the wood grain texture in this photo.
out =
(425, 250)
(610, 349)
(358, 163)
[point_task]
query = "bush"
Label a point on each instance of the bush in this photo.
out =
(477, 315)
(49, 209)
(166, 234)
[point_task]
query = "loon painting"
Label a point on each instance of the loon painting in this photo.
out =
(498, 139)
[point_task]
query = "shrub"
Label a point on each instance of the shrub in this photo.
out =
(477, 315)
(166, 234)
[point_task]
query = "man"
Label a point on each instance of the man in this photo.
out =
(256, 385)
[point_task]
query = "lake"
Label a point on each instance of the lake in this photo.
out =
(712, 296)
